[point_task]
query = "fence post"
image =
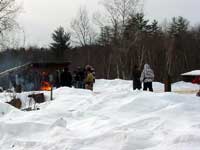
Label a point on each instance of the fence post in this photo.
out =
(167, 83)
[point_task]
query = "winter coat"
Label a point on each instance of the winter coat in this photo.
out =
(136, 75)
(136, 79)
(66, 79)
(147, 74)
(89, 78)
(89, 81)
(81, 75)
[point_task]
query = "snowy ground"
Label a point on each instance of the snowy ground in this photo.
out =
(113, 117)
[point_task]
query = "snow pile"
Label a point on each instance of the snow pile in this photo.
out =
(185, 86)
(6, 108)
(113, 117)
(121, 85)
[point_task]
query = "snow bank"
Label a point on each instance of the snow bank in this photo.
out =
(5, 109)
(121, 85)
(113, 117)
(185, 86)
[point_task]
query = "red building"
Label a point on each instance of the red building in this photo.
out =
(192, 76)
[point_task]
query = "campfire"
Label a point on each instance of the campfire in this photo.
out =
(46, 86)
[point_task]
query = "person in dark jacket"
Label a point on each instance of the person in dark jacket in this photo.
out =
(66, 78)
(74, 79)
(79, 78)
(81, 73)
(136, 78)
(147, 78)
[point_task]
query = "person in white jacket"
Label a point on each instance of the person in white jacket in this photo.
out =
(147, 78)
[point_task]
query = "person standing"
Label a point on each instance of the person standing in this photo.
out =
(66, 78)
(147, 78)
(136, 78)
(79, 78)
(89, 80)
(75, 79)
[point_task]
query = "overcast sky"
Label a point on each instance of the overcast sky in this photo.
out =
(41, 17)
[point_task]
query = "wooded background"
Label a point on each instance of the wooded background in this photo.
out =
(125, 38)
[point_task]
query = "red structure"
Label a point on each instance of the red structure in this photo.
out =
(193, 77)
(196, 80)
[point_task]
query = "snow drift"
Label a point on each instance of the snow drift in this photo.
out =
(113, 117)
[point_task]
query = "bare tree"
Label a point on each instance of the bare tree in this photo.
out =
(120, 10)
(83, 33)
(8, 11)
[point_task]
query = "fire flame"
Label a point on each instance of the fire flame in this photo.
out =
(46, 86)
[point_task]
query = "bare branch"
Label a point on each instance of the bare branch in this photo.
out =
(82, 30)
(8, 11)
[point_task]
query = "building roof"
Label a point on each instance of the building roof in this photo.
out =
(192, 73)
(15, 69)
(36, 65)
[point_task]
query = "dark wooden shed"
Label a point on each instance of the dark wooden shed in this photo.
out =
(33, 76)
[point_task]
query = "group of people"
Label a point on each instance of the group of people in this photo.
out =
(146, 76)
(83, 78)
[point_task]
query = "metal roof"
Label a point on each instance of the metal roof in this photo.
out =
(36, 65)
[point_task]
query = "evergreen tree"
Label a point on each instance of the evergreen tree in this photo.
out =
(61, 40)
(136, 24)
(105, 36)
(178, 33)
(154, 28)
(178, 26)
(115, 37)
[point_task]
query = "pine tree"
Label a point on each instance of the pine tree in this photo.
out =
(61, 40)
(178, 26)
(154, 28)
(105, 36)
(136, 24)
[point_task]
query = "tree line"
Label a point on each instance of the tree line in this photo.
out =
(125, 39)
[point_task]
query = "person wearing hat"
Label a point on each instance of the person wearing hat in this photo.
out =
(147, 77)
(89, 80)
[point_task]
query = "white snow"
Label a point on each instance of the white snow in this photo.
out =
(192, 73)
(113, 117)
